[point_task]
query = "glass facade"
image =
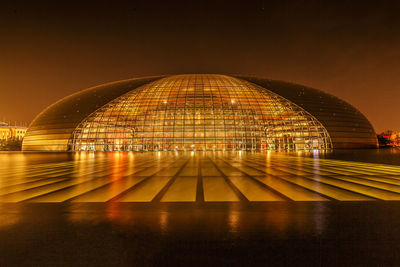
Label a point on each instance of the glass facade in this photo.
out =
(199, 112)
(347, 127)
(51, 130)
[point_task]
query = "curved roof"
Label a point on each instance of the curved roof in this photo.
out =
(347, 126)
(52, 128)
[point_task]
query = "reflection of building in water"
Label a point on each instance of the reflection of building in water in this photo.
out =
(8, 132)
(199, 112)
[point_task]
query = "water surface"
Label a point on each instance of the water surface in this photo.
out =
(141, 209)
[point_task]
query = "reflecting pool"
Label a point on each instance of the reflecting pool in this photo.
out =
(198, 208)
(194, 177)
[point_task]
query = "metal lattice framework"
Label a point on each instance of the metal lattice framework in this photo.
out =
(199, 112)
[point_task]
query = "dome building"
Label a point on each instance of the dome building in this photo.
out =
(199, 112)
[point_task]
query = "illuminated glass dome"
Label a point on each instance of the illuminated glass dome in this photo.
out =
(197, 112)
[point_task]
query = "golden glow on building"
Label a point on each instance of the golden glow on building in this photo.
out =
(199, 112)
(12, 132)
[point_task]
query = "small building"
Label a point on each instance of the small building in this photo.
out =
(8, 132)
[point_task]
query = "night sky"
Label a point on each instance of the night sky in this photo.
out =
(50, 49)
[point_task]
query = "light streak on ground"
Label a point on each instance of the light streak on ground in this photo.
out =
(192, 177)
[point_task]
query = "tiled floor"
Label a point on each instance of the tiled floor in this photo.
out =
(193, 176)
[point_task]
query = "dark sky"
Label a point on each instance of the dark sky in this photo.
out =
(49, 49)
